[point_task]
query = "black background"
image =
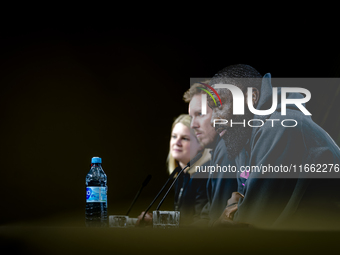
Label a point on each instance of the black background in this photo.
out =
(71, 91)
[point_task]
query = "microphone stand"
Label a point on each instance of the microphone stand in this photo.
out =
(146, 181)
(197, 157)
(159, 193)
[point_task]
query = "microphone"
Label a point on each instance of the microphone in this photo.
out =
(145, 182)
(159, 193)
(197, 157)
(193, 161)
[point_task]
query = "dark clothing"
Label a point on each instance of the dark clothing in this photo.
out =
(191, 195)
(220, 184)
(297, 202)
(190, 198)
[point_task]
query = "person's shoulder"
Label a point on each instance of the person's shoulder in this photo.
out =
(280, 129)
(316, 137)
(220, 147)
(220, 154)
(277, 124)
(203, 161)
(295, 127)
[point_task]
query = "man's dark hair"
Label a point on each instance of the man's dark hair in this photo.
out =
(233, 75)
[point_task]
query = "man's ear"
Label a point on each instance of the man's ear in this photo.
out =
(255, 96)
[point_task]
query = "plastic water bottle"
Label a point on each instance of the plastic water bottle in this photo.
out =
(96, 195)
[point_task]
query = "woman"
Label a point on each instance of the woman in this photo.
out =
(183, 143)
(190, 193)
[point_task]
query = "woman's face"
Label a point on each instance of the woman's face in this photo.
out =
(183, 145)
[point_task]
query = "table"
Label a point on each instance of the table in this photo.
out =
(82, 240)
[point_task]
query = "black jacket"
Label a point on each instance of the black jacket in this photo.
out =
(220, 184)
(190, 192)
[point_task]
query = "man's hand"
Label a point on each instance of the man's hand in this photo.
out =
(147, 221)
(226, 219)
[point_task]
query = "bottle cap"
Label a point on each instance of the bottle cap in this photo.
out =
(96, 160)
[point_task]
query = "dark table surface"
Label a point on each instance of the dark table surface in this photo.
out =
(67, 238)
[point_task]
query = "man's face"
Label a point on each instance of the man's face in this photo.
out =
(204, 131)
(235, 137)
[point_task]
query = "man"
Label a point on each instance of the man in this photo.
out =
(219, 188)
(270, 199)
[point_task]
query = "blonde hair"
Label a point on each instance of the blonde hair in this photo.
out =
(194, 90)
(185, 120)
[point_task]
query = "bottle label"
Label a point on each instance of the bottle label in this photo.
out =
(96, 194)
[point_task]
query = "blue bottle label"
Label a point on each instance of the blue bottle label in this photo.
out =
(96, 194)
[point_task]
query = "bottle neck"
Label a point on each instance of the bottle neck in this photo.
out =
(96, 164)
